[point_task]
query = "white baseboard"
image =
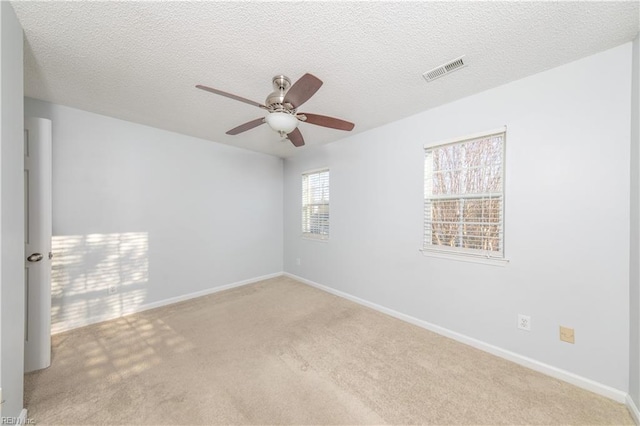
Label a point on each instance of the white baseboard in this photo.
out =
(82, 322)
(574, 379)
(633, 409)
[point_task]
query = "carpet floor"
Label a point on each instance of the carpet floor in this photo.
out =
(281, 352)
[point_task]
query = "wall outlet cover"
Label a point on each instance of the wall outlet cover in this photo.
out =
(524, 322)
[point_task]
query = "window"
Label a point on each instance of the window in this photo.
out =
(315, 204)
(464, 196)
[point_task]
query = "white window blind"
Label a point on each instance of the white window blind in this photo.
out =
(464, 196)
(315, 204)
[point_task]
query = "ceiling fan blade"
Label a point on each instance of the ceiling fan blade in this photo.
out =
(229, 95)
(302, 90)
(324, 121)
(296, 137)
(246, 126)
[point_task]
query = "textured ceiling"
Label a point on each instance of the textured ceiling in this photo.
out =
(140, 61)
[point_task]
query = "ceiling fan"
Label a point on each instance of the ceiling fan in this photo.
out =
(282, 106)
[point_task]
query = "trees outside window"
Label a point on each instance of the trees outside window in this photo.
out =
(464, 196)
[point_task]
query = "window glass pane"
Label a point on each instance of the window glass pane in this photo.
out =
(315, 204)
(445, 220)
(464, 194)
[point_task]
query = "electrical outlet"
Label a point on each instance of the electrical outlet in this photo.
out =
(298, 261)
(567, 335)
(524, 322)
(112, 289)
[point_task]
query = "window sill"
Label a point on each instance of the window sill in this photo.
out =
(463, 257)
(317, 239)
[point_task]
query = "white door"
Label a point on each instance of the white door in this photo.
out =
(37, 186)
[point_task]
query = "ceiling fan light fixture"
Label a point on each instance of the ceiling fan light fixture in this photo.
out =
(282, 121)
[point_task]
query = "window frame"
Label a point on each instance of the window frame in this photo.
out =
(461, 253)
(315, 236)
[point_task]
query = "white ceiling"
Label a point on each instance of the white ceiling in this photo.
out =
(140, 61)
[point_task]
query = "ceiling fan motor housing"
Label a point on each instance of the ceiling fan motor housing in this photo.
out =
(275, 100)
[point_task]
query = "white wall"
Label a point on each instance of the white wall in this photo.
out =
(634, 264)
(156, 214)
(567, 218)
(11, 213)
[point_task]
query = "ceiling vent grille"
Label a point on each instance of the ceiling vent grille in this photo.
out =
(444, 69)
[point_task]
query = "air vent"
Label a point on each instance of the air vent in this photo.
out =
(444, 69)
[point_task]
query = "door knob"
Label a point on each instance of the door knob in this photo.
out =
(35, 257)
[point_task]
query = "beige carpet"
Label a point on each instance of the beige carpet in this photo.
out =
(280, 352)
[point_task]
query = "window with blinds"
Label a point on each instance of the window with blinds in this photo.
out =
(315, 204)
(464, 196)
